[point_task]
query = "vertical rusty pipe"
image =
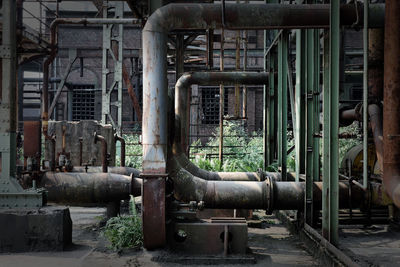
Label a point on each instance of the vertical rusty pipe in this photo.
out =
(122, 141)
(375, 64)
(375, 118)
(80, 151)
(391, 99)
(104, 161)
(64, 128)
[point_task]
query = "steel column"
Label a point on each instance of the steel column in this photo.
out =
(300, 144)
(330, 200)
(282, 103)
(309, 125)
(365, 95)
(110, 35)
(11, 193)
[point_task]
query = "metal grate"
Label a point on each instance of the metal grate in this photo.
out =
(210, 104)
(83, 100)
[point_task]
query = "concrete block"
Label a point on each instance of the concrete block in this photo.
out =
(43, 229)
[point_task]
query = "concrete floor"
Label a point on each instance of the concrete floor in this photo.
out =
(376, 245)
(271, 246)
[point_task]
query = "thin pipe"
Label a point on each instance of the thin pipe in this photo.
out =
(365, 95)
(104, 160)
(221, 95)
(122, 141)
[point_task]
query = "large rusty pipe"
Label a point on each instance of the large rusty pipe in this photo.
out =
(269, 194)
(391, 100)
(87, 188)
(104, 160)
(116, 170)
(122, 141)
(208, 16)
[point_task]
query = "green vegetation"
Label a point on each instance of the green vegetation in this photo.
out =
(243, 151)
(133, 152)
(125, 231)
(346, 144)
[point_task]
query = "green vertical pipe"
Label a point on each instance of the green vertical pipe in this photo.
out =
(282, 103)
(266, 105)
(325, 140)
(365, 96)
(272, 108)
(309, 125)
(300, 103)
(331, 131)
(317, 66)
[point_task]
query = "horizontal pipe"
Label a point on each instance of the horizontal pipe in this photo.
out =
(88, 188)
(269, 195)
(116, 170)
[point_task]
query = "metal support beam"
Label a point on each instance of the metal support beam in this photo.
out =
(112, 33)
(365, 95)
(300, 93)
(282, 103)
(309, 125)
(330, 199)
(11, 193)
(72, 58)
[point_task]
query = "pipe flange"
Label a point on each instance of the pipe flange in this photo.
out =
(268, 194)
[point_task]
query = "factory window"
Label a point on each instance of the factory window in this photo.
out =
(83, 102)
(210, 104)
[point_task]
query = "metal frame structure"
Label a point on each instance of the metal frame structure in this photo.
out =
(112, 46)
(12, 195)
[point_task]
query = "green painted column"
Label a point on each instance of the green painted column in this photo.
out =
(317, 91)
(330, 199)
(282, 103)
(309, 126)
(300, 93)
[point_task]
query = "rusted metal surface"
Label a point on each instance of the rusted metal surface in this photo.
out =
(375, 118)
(104, 159)
(122, 141)
(128, 83)
(32, 137)
(181, 160)
(117, 170)
(208, 238)
(86, 188)
(391, 107)
(375, 64)
(268, 195)
(153, 212)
